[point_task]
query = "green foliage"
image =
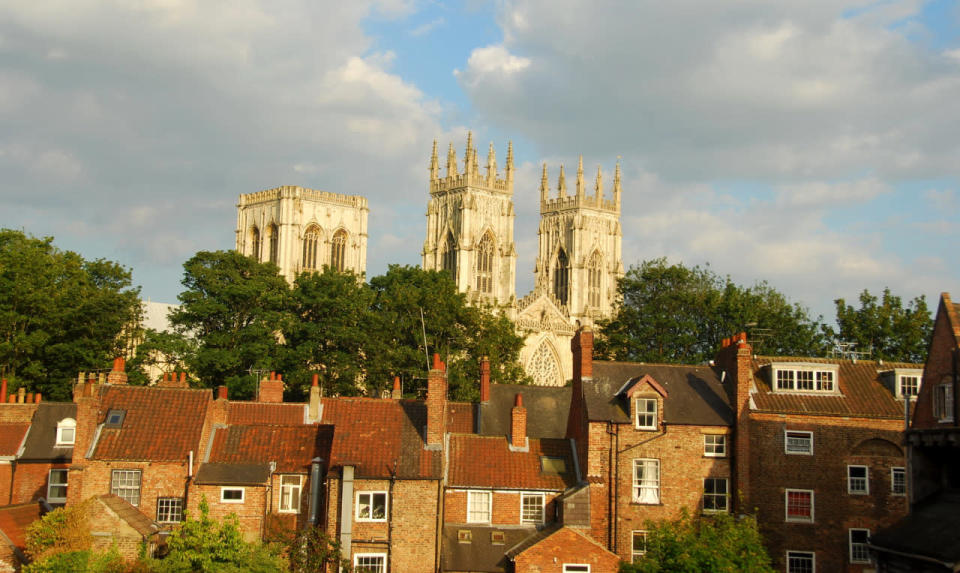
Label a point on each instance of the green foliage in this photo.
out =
(311, 550)
(675, 314)
(59, 313)
(234, 306)
(63, 530)
(885, 327)
(166, 351)
(207, 545)
(691, 545)
(86, 561)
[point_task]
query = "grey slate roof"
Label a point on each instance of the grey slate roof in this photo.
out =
(232, 474)
(39, 444)
(932, 530)
(696, 395)
(480, 554)
(547, 410)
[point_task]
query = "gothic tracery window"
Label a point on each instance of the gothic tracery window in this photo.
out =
(311, 240)
(274, 243)
(485, 264)
(255, 241)
(561, 278)
(543, 367)
(594, 274)
(449, 257)
(338, 250)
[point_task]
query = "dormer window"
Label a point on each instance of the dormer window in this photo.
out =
(818, 378)
(66, 432)
(646, 413)
(908, 382)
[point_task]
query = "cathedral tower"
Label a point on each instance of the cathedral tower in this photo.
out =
(470, 224)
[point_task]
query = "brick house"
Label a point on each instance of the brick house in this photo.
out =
(928, 539)
(817, 452)
(14, 520)
(43, 460)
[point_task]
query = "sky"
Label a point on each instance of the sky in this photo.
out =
(814, 144)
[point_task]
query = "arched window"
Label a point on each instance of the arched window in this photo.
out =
(255, 241)
(561, 278)
(274, 243)
(544, 368)
(66, 432)
(449, 257)
(311, 239)
(338, 250)
(594, 274)
(485, 264)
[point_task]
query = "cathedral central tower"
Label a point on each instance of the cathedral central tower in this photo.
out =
(470, 225)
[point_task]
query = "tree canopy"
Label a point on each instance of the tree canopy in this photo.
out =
(885, 327)
(671, 313)
(59, 313)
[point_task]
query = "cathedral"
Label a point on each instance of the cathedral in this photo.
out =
(470, 220)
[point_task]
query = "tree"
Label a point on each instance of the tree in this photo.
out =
(675, 314)
(164, 351)
(60, 541)
(710, 543)
(885, 327)
(234, 307)
(59, 313)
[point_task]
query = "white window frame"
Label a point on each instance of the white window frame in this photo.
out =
(286, 494)
(719, 446)
(649, 418)
(576, 568)
(796, 434)
(812, 555)
(63, 425)
(646, 490)
(786, 506)
(543, 507)
(851, 545)
(479, 495)
(819, 375)
(370, 503)
(725, 496)
(381, 568)
(851, 480)
(893, 480)
(51, 485)
(242, 490)
(637, 555)
(943, 402)
(913, 375)
(160, 501)
(119, 490)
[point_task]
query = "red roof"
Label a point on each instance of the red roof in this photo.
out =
(861, 392)
(486, 461)
(269, 413)
(160, 424)
(380, 437)
(293, 448)
(14, 520)
(461, 417)
(11, 436)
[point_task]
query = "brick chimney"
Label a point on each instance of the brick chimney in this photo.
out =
(484, 380)
(436, 404)
(582, 348)
(581, 345)
(271, 390)
(735, 361)
(397, 392)
(170, 380)
(518, 426)
(87, 398)
(118, 374)
(314, 408)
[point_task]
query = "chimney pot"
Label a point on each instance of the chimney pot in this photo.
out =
(437, 365)
(221, 393)
(37, 398)
(3, 391)
(518, 401)
(21, 395)
(273, 375)
(485, 379)
(280, 377)
(29, 398)
(183, 377)
(316, 379)
(12, 399)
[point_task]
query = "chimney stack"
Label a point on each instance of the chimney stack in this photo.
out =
(518, 426)
(221, 393)
(436, 404)
(484, 380)
(270, 390)
(118, 374)
(397, 389)
(314, 407)
(3, 391)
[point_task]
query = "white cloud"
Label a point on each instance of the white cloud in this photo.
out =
(426, 28)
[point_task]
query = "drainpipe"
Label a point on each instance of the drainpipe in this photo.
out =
(346, 512)
(393, 480)
(314, 490)
(611, 483)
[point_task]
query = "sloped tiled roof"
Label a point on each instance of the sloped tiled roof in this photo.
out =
(14, 520)
(487, 462)
(292, 447)
(547, 410)
(161, 424)
(232, 474)
(461, 418)
(861, 392)
(39, 444)
(696, 395)
(127, 512)
(376, 436)
(270, 413)
(480, 554)
(11, 436)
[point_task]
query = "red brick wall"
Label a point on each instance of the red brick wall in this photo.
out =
(157, 479)
(109, 530)
(825, 472)
(565, 547)
(938, 369)
(250, 514)
(506, 507)
(30, 481)
(17, 412)
(6, 482)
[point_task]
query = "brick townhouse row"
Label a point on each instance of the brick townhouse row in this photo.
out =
(527, 479)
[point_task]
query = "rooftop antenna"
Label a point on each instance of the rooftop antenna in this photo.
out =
(423, 327)
(845, 349)
(758, 336)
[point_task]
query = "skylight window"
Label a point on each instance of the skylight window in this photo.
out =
(115, 418)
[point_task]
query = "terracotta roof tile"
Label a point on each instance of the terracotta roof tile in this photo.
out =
(14, 520)
(862, 393)
(127, 512)
(293, 448)
(161, 424)
(11, 436)
(486, 461)
(272, 413)
(461, 417)
(379, 437)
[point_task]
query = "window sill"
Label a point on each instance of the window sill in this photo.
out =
(796, 520)
(363, 520)
(289, 511)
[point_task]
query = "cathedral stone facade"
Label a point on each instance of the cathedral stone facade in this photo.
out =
(302, 230)
(470, 220)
